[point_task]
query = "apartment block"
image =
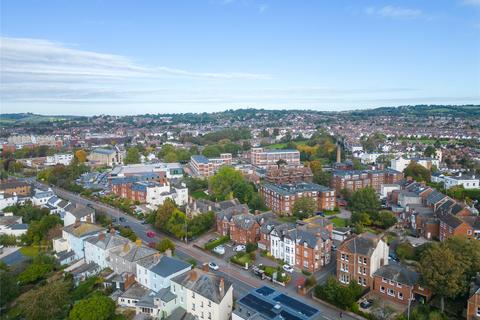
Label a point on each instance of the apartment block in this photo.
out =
(281, 198)
(202, 166)
(265, 158)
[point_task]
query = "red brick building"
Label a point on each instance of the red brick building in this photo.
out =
(398, 284)
(281, 198)
(313, 248)
(354, 180)
(20, 188)
(473, 304)
(359, 257)
(266, 158)
(288, 174)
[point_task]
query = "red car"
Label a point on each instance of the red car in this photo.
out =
(150, 234)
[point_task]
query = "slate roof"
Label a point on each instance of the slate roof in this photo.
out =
(204, 283)
(19, 226)
(363, 244)
(398, 273)
(244, 221)
(200, 159)
(168, 266)
(13, 184)
(293, 188)
(133, 252)
(229, 212)
(9, 220)
(435, 197)
(450, 220)
(79, 211)
(136, 292)
(103, 151)
(109, 241)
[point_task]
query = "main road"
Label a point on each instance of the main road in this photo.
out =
(242, 280)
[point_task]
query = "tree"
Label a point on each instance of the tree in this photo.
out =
(429, 151)
(405, 251)
(364, 200)
(9, 287)
(442, 272)
(304, 207)
(212, 151)
(385, 219)
(417, 172)
(165, 244)
(45, 303)
(467, 252)
(170, 157)
(81, 155)
(133, 156)
(42, 265)
(97, 307)
(164, 212)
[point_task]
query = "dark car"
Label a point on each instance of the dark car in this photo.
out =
(114, 219)
(144, 222)
(320, 213)
(365, 304)
(393, 257)
(122, 219)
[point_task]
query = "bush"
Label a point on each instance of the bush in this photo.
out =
(219, 241)
(310, 282)
(337, 294)
(242, 258)
(251, 247)
(165, 244)
(405, 251)
(306, 272)
(192, 261)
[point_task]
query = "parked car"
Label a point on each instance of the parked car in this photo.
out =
(212, 265)
(144, 222)
(219, 249)
(152, 245)
(114, 219)
(211, 240)
(150, 234)
(320, 213)
(365, 304)
(122, 219)
(288, 268)
(393, 257)
(240, 248)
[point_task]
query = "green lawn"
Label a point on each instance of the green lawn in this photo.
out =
(339, 222)
(199, 194)
(284, 145)
(242, 258)
(30, 251)
(288, 219)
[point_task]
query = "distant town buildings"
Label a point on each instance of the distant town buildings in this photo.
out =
(105, 157)
(265, 158)
(288, 174)
(202, 166)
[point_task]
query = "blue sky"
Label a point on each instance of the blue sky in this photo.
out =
(131, 57)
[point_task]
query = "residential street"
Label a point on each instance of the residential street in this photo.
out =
(242, 280)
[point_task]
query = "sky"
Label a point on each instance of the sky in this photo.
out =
(120, 57)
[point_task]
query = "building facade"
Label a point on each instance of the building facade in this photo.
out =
(265, 158)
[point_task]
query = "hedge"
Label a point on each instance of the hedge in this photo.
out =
(216, 243)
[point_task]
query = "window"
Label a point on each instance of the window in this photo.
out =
(193, 295)
(400, 296)
(360, 280)
(359, 259)
(201, 304)
(364, 260)
(478, 311)
(209, 304)
(384, 280)
(201, 315)
(399, 285)
(193, 306)
(390, 292)
(209, 315)
(382, 289)
(343, 256)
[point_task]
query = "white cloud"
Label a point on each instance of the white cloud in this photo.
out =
(46, 61)
(394, 12)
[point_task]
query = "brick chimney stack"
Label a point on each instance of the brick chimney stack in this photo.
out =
(221, 287)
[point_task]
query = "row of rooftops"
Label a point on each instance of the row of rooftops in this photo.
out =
(360, 172)
(293, 188)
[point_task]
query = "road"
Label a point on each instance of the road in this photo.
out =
(242, 280)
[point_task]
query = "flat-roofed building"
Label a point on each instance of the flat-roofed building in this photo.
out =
(265, 158)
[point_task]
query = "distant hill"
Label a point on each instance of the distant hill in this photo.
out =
(463, 111)
(22, 118)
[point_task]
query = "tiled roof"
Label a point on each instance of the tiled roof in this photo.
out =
(363, 244)
(204, 283)
(168, 266)
(398, 273)
(291, 189)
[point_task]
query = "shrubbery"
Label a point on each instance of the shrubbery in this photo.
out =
(337, 294)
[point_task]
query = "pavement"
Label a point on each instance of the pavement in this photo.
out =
(242, 280)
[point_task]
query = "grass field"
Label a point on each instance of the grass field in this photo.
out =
(284, 145)
(199, 194)
(30, 251)
(339, 222)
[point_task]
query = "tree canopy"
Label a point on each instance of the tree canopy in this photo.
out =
(417, 172)
(97, 307)
(304, 207)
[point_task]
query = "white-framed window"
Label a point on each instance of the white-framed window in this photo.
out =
(400, 296)
(390, 292)
(193, 306)
(382, 289)
(384, 280)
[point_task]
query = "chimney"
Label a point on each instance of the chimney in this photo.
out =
(205, 267)
(339, 154)
(221, 287)
(101, 236)
(192, 276)
(138, 242)
(77, 223)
